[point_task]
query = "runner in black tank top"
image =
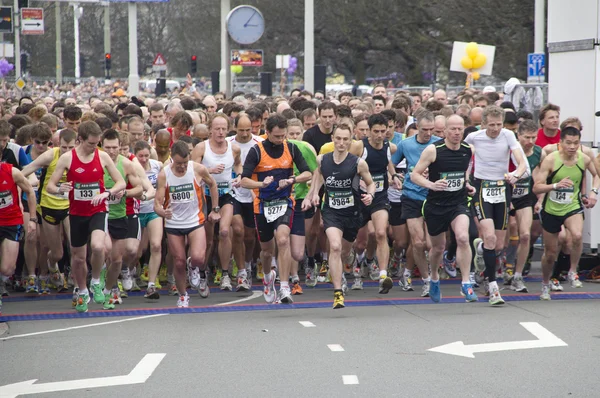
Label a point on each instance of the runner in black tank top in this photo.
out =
(446, 204)
(341, 173)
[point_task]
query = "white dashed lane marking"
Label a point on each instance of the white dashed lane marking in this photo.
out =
(350, 379)
(307, 324)
(335, 347)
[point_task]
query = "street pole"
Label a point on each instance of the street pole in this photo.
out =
(17, 30)
(134, 78)
(76, 15)
(225, 73)
(59, 72)
(540, 27)
(107, 37)
(309, 45)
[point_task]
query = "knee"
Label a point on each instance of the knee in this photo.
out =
(97, 247)
(462, 239)
(198, 259)
(524, 238)
(381, 235)
(283, 241)
(224, 233)
(576, 237)
(371, 236)
(419, 244)
(298, 253)
(550, 253)
(31, 239)
(178, 261)
(335, 248)
(155, 247)
(489, 239)
(238, 232)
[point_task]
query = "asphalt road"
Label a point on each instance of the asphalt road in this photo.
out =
(379, 343)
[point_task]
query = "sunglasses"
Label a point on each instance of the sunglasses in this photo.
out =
(40, 142)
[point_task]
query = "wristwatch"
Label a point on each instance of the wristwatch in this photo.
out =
(594, 190)
(217, 209)
(33, 219)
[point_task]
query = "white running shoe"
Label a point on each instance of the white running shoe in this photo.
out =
(127, 279)
(358, 284)
(285, 296)
(194, 276)
(203, 288)
(183, 301)
(425, 290)
(574, 279)
(269, 290)
(545, 293)
(226, 282)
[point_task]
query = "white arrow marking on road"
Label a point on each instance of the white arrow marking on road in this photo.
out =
(142, 371)
(255, 294)
(545, 339)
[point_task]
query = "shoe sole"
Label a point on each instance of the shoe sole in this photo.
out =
(227, 288)
(338, 306)
(287, 300)
(242, 289)
(204, 295)
(386, 286)
(497, 303)
(153, 296)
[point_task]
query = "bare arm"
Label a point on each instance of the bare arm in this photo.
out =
(203, 173)
(25, 187)
(428, 156)
(43, 160)
(159, 198)
(540, 186)
(237, 159)
(137, 190)
(63, 164)
(147, 187)
(113, 172)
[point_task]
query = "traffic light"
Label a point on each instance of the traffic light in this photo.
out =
(107, 59)
(23, 4)
(194, 65)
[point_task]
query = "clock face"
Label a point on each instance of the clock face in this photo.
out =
(245, 24)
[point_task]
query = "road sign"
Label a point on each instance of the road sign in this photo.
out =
(159, 63)
(7, 50)
(536, 68)
(142, 371)
(6, 20)
(32, 21)
(545, 339)
(20, 83)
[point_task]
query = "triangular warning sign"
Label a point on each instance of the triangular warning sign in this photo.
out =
(159, 60)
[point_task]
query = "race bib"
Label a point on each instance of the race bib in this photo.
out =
(275, 209)
(521, 188)
(181, 193)
(494, 191)
(86, 192)
(59, 195)
(224, 187)
(341, 200)
(455, 180)
(378, 180)
(563, 196)
(6, 199)
(112, 200)
(153, 178)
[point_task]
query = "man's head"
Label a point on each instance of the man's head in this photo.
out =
(180, 154)
(550, 117)
(72, 115)
(493, 120)
(243, 127)
(455, 125)
(481, 101)
(380, 90)
(255, 116)
(276, 129)
(361, 126)
(439, 126)
(342, 137)
(135, 127)
(218, 127)
(157, 114)
(440, 95)
(379, 103)
(111, 143)
(570, 140)
(210, 104)
(219, 98)
(344, 97)
(378, 126)
(89, 134)
(391, 116)
(425, 124)
(417, 100)
(308, 117)
(5, 130)
(40, 136)
(527, 134)
(67, 140)
(201, 132)
(327, 115)
(511, 122)
(161, 143)
(126, 143)
(572, 121)
(141, 149)
(181, 123)
(476, 116)
(426, 95)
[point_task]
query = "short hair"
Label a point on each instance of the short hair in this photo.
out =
(276, 121)
(360, 118)
(510, 118)
(413, 94)
(141, 145)
(109, 113)
(50, 120)
(124, 138)
(72, 113)
(425, 116)
(231, 107)
(523, 114)
(344, 94)
(507, 105)
(390, 114)
(104, 123)
(222, 116)
(493, 111)
(238, 118)
(37, 112)
(570, 131)
(19, 121)
(187, 104)
(547, 108)
(401, 102)
(156, 107)
(87, 129)
(527, 126)
(180, 148)
(344, 111)
(5, 128)
(182, 117)
(481, 98)
(327, 105)
(133, 109)
(342, 126)
(23, 136)
(307, 113)
(492, 96)
(186, 138)
(41, 131)
(254, 114)
(570, 121)
(434, 105)
(111, 134)
(67, 135)
(377, 119)
(379, 98)
(289, 114)
(134, 119)
(294, 122)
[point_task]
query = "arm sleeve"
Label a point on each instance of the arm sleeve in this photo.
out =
(307, 137)
(469, 139)
(252, 160)
(298, 159)
(512, 140)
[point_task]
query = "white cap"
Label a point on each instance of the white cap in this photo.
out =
(489, 89)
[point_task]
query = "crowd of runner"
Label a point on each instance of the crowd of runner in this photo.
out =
(121, 194)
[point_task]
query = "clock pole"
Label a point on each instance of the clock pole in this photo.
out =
(309, 45)
(225, 74)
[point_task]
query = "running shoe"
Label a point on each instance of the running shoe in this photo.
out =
(194, 277)
(338, 300)
(574, 279)
(479, 277)
(135, 287)
(3, 290)
(82, 302)
(103, 277)
(56, 278)
(478, 255)
(518, 285)
(172, 289)
(344, 284)
(358, 283)
(203, 288)
(406, 281)
(394, 268)
(311, 279)
(226, 283)
(123, 292)
(508, 275)
(127, 279)
(385, 284)
(115, 296)
(97, 293)
(183, 301)
(555, 285)
(144, 276)
(156, 284)
(75, 297)
(545, 293)
(435, 293)
(32, 285)
(468, 293)
(472, 279)
(373, 270)
(108, 304)
(44, 286)
(425, 289)
(296, 289)
(217, 280)
(285, 295)
(152, 293)
(323, 272)
(449, 265)
(495, 298)
(242, 284)
(269, 290)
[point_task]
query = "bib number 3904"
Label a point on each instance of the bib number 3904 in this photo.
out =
(275, 209)
(494, 191)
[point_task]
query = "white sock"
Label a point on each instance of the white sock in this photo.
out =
(382, 274)
(242, 273)
(360, 256)
(325, 256)
(284, 284)
(95, 281)
(493, 285)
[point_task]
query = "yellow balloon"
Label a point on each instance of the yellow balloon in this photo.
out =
(237, 69)
(466, 62)
(479, 61)
(472, 50)
(475, 76)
